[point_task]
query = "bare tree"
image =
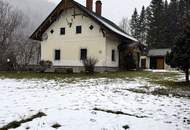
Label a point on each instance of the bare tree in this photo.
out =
(10, 20)
(124, 25)
(14, 42)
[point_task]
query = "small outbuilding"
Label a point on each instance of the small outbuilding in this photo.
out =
(155, 59)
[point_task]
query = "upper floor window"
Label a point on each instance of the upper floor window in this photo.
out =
(62, 31)
(78, 29)
(83, 54)
(57, 55)
(113, 55)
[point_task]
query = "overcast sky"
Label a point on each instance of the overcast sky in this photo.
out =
(116, 9)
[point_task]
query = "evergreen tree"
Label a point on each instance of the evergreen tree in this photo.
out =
(158, 25)
(134, 25)
(155, 33)
(173, 22)
(180, 54)
(148, 16)
(166, 28)
(142, 26)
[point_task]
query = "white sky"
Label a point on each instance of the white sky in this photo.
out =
(116, 9)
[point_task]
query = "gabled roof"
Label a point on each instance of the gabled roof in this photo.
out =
(101, 20)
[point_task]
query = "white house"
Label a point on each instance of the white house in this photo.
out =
(73, 32)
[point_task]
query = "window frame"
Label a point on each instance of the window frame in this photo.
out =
(62, 30)
(79, 31)
(113, 55)
(81, 55)
(55, 58)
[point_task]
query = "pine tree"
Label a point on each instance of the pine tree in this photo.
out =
(134, 25)
(142, 26)
(180, 54)
(173, 22)
(148, 16)
(166, 28)
(155, 33)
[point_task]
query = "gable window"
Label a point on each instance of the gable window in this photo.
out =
(83, 54)
(91, 27)
(57, 55)
(78, 29)
(52, 31)
(62, 31)
(113, 55)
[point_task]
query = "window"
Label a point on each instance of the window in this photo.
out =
(57, 55)
(52, 31)
(62, 31)
(78, 29)
(113, 55)
(83, 54)
(91, 27)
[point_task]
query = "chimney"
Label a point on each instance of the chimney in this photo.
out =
(89, 4)
(99, 7)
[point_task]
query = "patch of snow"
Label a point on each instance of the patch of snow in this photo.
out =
(162, 70)
(71, 104)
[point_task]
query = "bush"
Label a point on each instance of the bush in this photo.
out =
(45, 64)
(69, 71)
(89, 65)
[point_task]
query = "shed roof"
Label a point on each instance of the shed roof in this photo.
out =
(158, 52)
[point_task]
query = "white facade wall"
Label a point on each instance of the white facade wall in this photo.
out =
(112, 44)
(97, 45)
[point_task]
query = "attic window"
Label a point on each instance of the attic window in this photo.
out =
(91, 27)
(52, 31)
(78, 29)
(62, 31)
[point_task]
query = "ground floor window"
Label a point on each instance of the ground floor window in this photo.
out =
(83, 54)
(113, 55)
(57, 54)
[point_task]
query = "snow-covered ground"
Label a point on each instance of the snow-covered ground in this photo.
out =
(71, 105)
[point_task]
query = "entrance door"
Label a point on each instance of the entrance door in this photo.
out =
(143, 63)
(160, 63)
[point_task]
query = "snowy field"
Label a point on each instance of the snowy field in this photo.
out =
(71, 105)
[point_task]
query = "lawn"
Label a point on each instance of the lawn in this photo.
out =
(167, 79)
(104, 101)
(112, 75)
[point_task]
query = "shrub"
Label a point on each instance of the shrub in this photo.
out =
(45, 64)
(89, 65)
(69, 71)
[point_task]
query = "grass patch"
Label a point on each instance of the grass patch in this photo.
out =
(56, 125)
(164, 79)
(136, 90)
(175, 85)
(112, 75)
(118, 113)
(126, 127)
(16, 124)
